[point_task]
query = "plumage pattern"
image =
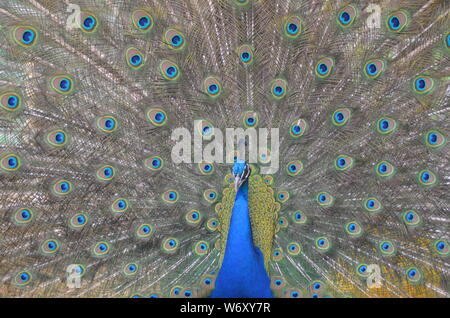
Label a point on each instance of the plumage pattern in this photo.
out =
(89, 100)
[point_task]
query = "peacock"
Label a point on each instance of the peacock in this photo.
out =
(118, 178)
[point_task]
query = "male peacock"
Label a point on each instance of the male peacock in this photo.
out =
(93, 205)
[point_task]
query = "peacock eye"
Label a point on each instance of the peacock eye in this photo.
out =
(142, 20)
(25, 36)
(293, 27)
(279, 88)
(427, 178)
(324, 67)
(386, 125)
(374, 68)
(346, 16)
(120, 206)
(169, 70)
(423, 84)
(397, 21)
(174, 39)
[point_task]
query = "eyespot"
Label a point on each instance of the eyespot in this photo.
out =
(294, 248)
(106, 173)
(175, 291)
(341, 116)
(411, 218)
(277, 255)
(11, 102)
(397, 21)
(447, 40)
(174, 39)
(57, 138)
(62, 84)
(427, 178)
(384, 169)
(201, 248)
(134, 58)
(343, 163)
(387, 248)
(169, 70)
(324, 67)
(283, 222)
(207, 281)
(25, 36)
(278, 88)
(212, 87)
(170, 245)
(298, 128)
(23, 278)
(277, 283)
(423, 84)
(283, 196)
(89, 22)
(372, 205)
(10, 162)
(324, 199)
(205, 129)
(293, 168)
(107, 124)
(251, 119)
(413, 275)
(293, 293)
(346, 16)
(212, 224)
(374, 68)
(120, 205)
(210, 195)
(245, 53)
(144, 230)
(206, 168)
(130, 269)
(193, 217)
(142, 20)
(317, 287)
(293, 27)
(264, 156)
(23, 216)
(78, 221)
(323, 244)
(268, 180)
(386, 125)
(362, 270)
(62, 187)
(188, 293)
(50, 246)
(354, 229)
(77, 270)
(170, 196)
(435, 139)
(241, 3)
(154, 163)
(299, 217)
(157, 117)
(101, 249)
(441, 247)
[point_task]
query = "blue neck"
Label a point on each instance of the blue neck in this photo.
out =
(242, 273)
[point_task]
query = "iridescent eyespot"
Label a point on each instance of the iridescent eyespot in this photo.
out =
(278, 88)
(362, 270)
(154, 163)
(411, 218)
(169, 70)
(201, 248)
(264, 156)
(316, 288)
(283, 222)
(387, 248)
(157, 117)
(413, 275)
(245, 53)
(62, 187)
(205, 128)
(293, 168)
(175, 291)
(23, 278)
(423, 84)
(76, 270)
(50, 246)
(11, 102)
(298, 128)
(324, 199)
(277, 283)
(354, 229)
(374, 68)
(343, 163)
(106, 173)
(386, 125)
(212, 86)
(384, 169)
(299, 217)
(142, 20)
(277, 255)
(212, 224)
(130, 269)
(435, 139)
(207, 281)
(144, 230)
(78, 221)
(107, 124)
(210, 195)
(134, 58)
(397, 21)
(23, 216)
(341, 116)
(170, 196)
(25, 36)
(268, 180)
(427, 178)
(293, 293)
(283, 196)
(120, 205)
(372, 205)
(346, 16)
(174, 39)
(89, 22)
(241, 2)
(188, 293)
(324, 67)
(170, 244)
(251, 119)
(57, 138)
(193, 217)
(101, 249)
(293, 27)
(323, 244)
(62, 84)
(206, 168)
(10, 162)
(294, 248)
(441, 247)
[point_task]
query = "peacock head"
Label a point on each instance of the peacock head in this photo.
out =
(241, 171)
